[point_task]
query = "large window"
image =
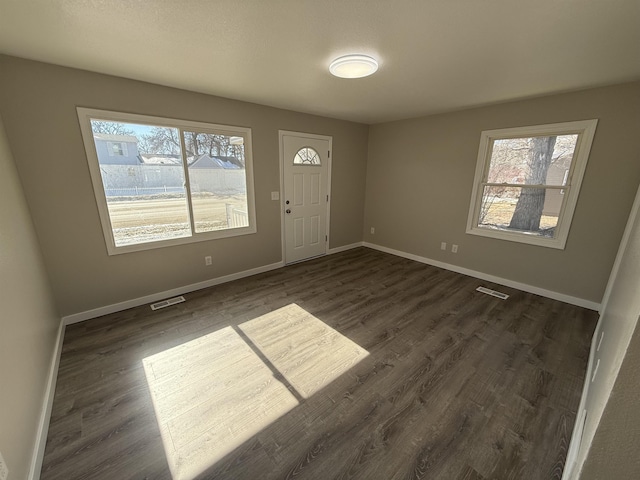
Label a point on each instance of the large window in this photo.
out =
(161, 182)
(527, 182)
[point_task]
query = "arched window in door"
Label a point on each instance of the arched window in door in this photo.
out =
(306, 156)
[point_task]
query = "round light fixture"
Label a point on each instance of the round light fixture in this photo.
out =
(353, 66)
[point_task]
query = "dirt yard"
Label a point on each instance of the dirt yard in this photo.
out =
(142, 219)
(500, 215)
(149, 218)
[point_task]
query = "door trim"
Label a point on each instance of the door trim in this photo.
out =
(281, 134)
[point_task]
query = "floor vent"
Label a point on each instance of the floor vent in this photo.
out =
(166, 303)
(493, 293)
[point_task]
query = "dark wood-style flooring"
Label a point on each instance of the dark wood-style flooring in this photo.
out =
(359, 365)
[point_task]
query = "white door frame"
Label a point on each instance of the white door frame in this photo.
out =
(281, 134)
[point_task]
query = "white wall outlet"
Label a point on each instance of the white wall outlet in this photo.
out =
(373, 230)
(454, 248)
(4, 470)
(275, 195)
(443, 245)
(207, 260)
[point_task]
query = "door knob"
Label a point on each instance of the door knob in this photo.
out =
(288, 210)
(287, 202)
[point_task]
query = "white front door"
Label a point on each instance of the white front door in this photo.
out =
(305, 168)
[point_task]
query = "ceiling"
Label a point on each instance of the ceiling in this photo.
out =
(434, 55)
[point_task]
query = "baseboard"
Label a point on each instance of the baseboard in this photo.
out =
(344, 248)
(136, 302)
(43, 428)
(45, 414)
(580, 302)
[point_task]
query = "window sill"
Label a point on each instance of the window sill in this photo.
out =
(519, 237)
(199, 237)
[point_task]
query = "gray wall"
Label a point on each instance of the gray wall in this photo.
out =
(613, 418)
(614, 451)
(29, 322)
(420, 175)
(38, 102)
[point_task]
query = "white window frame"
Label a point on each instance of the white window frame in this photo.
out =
(585, 130)
(85, 115)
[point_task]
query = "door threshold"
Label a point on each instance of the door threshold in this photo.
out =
(305, 259)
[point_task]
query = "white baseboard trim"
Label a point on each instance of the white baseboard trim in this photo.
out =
(580, 302)
(43, 428)
(344, 248)
(45, 414)
(136, 302)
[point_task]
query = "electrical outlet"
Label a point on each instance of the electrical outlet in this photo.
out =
(443, 245)
(275, 195)
(207, 260)
(4, 470)
(373, 230)
(454, 248)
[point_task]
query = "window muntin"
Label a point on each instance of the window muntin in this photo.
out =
(179, 181)
(527, 181)
(306, 156)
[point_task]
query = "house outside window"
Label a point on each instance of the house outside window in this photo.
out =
(161, 182)
(527, 182)
(117, 149)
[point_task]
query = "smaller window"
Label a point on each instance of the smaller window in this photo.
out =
(117, 149)
(306, 156)
(527, 182)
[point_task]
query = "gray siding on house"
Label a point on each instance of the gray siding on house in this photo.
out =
(553, 198)
(130, 157)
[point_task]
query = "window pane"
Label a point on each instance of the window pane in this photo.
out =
(306, 156)
(143, 179)
(523, 209)
(532, 160)
(217, 178)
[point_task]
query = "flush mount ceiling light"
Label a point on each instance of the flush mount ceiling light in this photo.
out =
(353, 66)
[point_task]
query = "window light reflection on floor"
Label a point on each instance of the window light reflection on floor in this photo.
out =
(215, 392)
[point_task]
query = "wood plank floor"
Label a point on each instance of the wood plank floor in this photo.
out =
(359, 365)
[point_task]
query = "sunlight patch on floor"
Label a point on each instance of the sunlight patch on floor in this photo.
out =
(215, 392)
(308, 352)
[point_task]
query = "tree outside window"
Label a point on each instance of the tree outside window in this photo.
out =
(527, 182)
